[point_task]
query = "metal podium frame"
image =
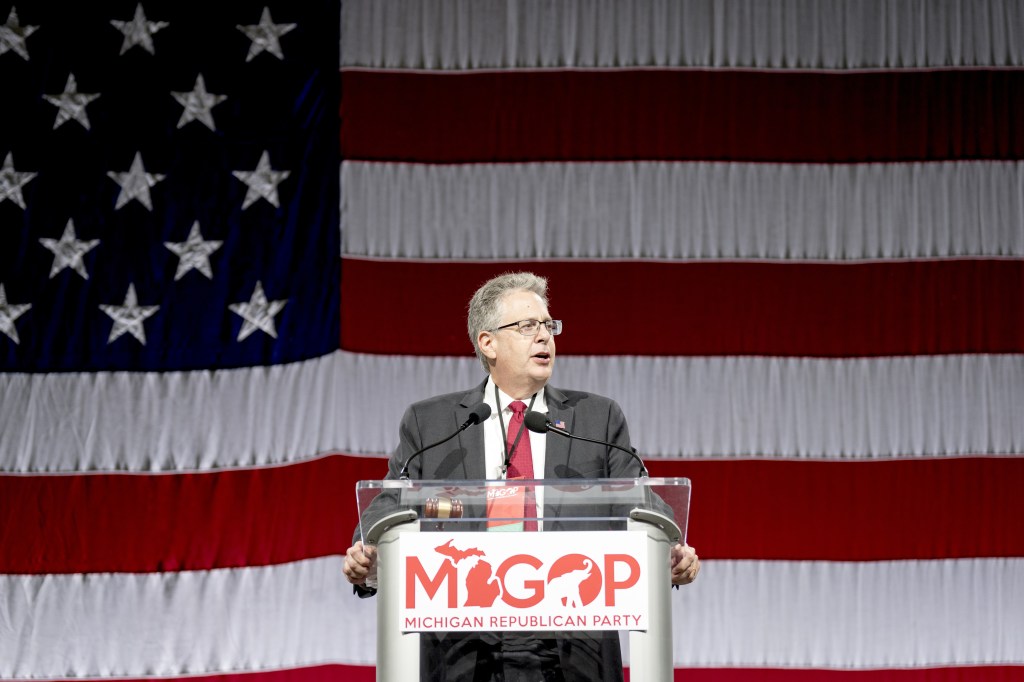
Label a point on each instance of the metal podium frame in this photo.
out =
(657, 506)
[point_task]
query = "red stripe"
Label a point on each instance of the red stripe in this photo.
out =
(640, 308)
(356, 673)
(322, 673)
(682, 115)
(853, 511)
(940, 508)
(978, 673)
(168, 522)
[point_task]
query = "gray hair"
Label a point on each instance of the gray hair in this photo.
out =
(484, 307)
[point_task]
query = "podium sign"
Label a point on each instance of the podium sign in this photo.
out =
(449, 559)
(480, 581)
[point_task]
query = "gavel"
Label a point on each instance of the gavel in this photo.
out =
(442, 508)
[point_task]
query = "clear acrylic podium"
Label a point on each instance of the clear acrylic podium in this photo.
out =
(656, 509)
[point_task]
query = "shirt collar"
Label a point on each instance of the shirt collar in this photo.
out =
(539, 405)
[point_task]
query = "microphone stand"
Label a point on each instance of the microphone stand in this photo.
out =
(631, 451)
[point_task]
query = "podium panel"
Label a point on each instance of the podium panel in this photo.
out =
(453, 556)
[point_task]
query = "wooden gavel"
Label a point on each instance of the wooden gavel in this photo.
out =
(443, 508)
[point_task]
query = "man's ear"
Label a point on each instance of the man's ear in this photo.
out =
(485, 340)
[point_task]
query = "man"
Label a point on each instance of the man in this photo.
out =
(514, 338)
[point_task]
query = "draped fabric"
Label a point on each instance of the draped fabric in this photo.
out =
(784, 34)
(684, 407)
(787, 236)
(684, 211)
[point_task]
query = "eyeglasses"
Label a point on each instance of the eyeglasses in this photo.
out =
(531, 327)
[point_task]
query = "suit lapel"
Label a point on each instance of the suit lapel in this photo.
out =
(556, 456)
(472, 439)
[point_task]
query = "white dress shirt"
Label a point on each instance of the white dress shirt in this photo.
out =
(494, 450)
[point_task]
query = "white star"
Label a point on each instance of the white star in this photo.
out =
(129, 316)
(13, 35)
(265, 36)
(138, 31)
(11, 181)
(258, 313)
(193, 253)
(135, 184)
(68, 251)
(9, 312)
(198, 104)
(71, 104)
(262, 182)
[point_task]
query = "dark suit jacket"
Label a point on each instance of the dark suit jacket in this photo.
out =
(584, 414)
(584, 656)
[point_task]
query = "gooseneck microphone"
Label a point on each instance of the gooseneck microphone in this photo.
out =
(538, 423)
(478, 414)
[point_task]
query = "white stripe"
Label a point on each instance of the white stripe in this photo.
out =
(188, 623)
(746, 406)
(173, 421)
(738, 614)
(770, 34)
(677, 407)
(666, 210)
(817, 614)
(903, 614)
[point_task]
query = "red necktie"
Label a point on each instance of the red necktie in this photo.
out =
(521, 463)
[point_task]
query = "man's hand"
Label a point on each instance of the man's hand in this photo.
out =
(358, 562)
(685, 565)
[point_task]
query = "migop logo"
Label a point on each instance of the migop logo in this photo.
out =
(521, 580)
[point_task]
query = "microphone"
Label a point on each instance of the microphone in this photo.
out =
(478, 414)
(538, 423)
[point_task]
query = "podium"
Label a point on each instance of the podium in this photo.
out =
(458, 556)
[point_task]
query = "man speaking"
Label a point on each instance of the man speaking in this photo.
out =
(514, 338)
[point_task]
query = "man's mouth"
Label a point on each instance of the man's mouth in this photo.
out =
(542, 356)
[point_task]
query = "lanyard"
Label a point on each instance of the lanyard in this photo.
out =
(504, 438)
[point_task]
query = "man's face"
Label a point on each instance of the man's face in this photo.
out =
(522, 364)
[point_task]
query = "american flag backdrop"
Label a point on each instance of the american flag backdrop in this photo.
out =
(786, 235)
